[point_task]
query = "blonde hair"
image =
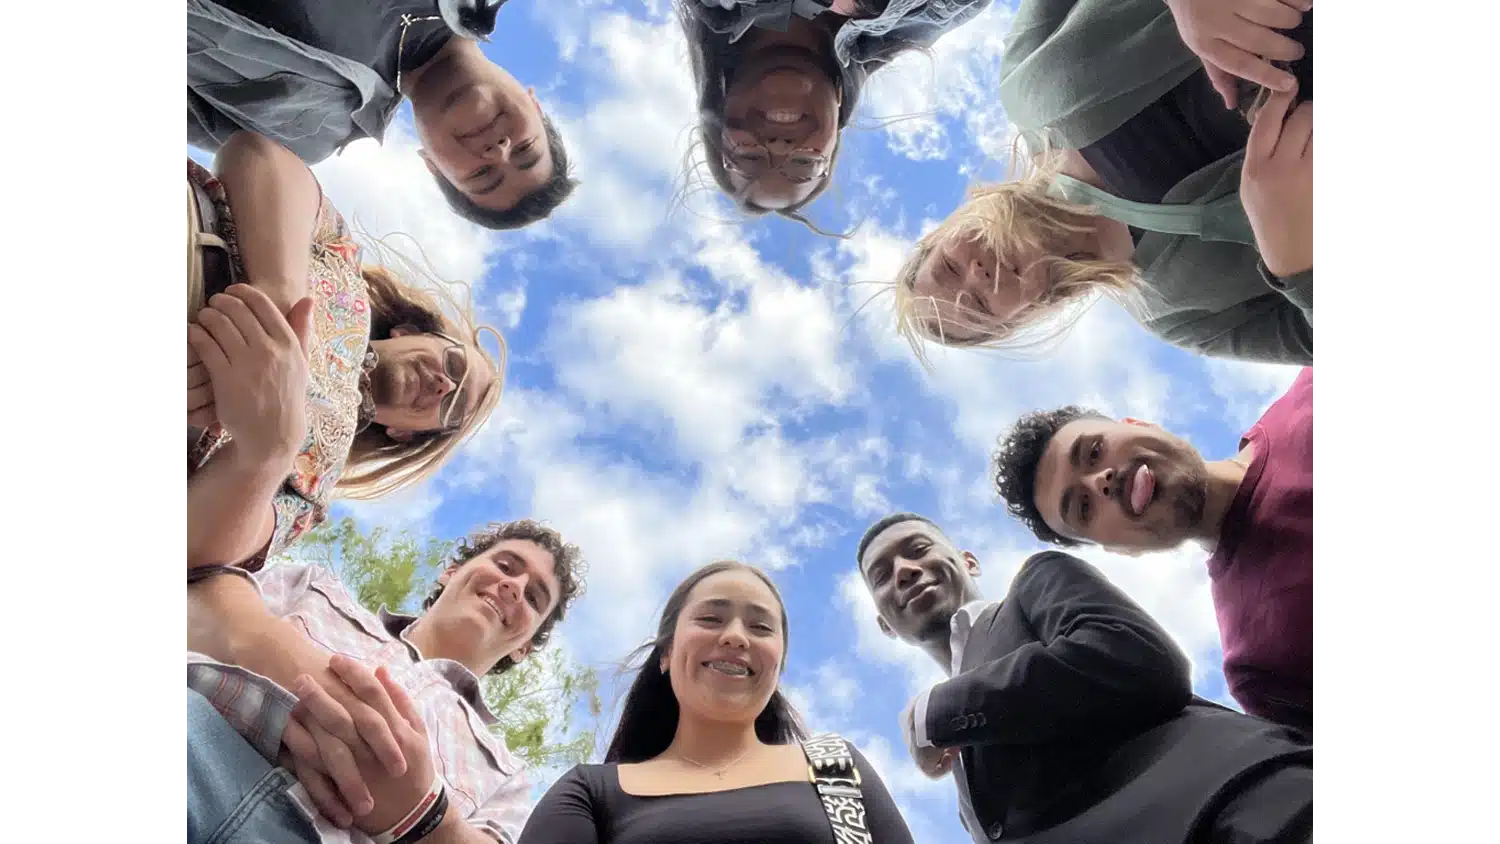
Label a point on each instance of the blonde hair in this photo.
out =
(1015, 217)
(379, 465)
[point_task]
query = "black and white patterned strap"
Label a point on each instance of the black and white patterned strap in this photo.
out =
(831, 764)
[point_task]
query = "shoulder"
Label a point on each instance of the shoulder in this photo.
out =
(1049, 566)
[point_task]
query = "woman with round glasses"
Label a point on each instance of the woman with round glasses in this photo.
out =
(778, 80)
(310, 375)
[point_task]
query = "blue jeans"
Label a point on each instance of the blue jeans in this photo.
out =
(234, 796)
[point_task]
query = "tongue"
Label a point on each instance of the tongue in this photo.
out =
(1141, 489)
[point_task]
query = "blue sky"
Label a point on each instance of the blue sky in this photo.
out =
(684, 386)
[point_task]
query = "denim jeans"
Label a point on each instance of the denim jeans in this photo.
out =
(234, 796)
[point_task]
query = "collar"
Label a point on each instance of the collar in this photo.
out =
(456, 674)
(961, 625)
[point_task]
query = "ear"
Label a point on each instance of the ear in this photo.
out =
(531, 94)
(521, 653)
(972, 563)
(400, 435)
(884, 628)
(447, 574)
(1140, 423)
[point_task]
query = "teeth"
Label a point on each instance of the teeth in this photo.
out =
(731, 668)
(783, 116)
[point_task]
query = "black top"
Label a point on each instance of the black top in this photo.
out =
(1077, 724)
(587, 806)
(365, 31)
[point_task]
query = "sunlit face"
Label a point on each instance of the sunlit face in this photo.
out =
(727, 647)
(917, 578)
(495, 601)
(1128, 486)
(965, 287)
(426, 382)
(483, 133)
(781, 117)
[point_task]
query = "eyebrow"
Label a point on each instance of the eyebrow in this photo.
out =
(895, 548)
(530, 569)
(1075, 458)
(725, 603)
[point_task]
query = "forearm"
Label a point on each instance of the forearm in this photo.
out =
(274, 200)
(229, 621)
(455, 830)
(229, 515)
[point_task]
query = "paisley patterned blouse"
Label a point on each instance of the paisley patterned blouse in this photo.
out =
(336, 352)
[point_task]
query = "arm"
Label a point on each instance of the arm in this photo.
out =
(882, 818)
(275, 201)
(565, 814)
(230, 516)
(1100, 661)
(229, 621)
(1269, 329)
(1265, 695)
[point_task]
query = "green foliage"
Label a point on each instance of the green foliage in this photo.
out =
(534, 701)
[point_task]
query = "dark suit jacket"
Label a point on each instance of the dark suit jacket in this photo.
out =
(1077, 722)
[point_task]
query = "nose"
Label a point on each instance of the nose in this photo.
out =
(498, 150)
(510, 591)
(907, 572)
(733, 635)
(1105, 481)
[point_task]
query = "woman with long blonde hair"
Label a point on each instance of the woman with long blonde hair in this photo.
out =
(311, 375)
(1140, 185)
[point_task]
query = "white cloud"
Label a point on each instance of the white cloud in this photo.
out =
(1247, 389)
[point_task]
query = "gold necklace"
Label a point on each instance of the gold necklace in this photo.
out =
(719, 773)
(406, 22)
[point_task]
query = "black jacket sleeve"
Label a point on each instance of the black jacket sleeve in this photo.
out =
(565, 814)
(1100, 661)
(882, 818)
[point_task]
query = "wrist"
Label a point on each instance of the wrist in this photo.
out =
(263, 465)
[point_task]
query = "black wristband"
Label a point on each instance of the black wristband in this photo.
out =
(430, 820)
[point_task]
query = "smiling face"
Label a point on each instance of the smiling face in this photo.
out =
(728, 644)
(964, 287)
(1128, 486)
(918, 580)
(480, 129)
(493, 603)
(426, 382)
(781, 115)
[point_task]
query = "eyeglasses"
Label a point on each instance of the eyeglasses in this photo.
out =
(754, 160)
(456, 367)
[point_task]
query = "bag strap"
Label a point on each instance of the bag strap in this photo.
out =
(830, 763)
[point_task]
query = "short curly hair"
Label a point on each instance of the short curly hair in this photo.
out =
(1015, 462)
(566, 557)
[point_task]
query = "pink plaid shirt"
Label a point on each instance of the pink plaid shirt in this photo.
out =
(486, 784)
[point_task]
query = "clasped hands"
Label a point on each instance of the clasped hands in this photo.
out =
(358, 745)
(1240, 38)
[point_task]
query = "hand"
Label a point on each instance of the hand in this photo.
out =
(1238, 38)
(256, 361)
(1276, 185)
(935, 762)
(200, 397)
(351, 780)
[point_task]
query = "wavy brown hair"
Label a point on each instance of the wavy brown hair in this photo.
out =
(379, 465)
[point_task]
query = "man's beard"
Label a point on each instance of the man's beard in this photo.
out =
(1190, 496)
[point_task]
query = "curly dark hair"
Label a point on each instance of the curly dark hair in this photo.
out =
(1015, 462)
(567, 559)
(534, 206)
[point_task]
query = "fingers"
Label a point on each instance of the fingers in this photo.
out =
(207, 348)
(375, 725)
(1225, 83)
(305, 762)
(223, 330)
(245, 320)
(203, 416)
(299, 319)
(1231, 58)
(405, 706)
(1261, 41)
(197, 373)
(1261, 144)
(1276, 14)
(199, 397)
(266, 314)
(193, 361)
(336, 758)
(1296, 136)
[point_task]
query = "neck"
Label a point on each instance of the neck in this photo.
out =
(711, 743)
(427, 82)
(434, 644)
(940, 648)
(1224, 480)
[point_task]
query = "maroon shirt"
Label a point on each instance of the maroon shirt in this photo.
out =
(1262, 572)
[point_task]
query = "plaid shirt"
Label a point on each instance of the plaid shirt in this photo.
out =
(486, 783)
